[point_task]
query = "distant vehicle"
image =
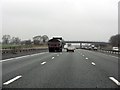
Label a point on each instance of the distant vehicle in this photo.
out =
(70, 48)
(65, 47)
(77, 47)
(55, 45)
(95, 48)
(115, 49)
(89, 48)
(86, 47)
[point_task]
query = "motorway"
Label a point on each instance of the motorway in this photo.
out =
(79, 69)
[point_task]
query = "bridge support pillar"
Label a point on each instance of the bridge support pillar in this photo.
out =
(80, 45)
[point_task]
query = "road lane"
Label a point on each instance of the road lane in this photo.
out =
(68, 70)
(107, 64)
(15, 67)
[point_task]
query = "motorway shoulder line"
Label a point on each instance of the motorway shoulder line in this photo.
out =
(22, 57)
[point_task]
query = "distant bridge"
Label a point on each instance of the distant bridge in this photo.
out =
(91, 42)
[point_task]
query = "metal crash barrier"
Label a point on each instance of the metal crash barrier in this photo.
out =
(20, 50)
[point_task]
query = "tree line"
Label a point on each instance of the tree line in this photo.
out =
(115, 40)
(36, 40)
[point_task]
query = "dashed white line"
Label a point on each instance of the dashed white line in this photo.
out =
(86, 58)
(83, 55)
(93, 63)
(58, 55)
(12, 80)
(43, 63)
(53, 57)
(115, 81)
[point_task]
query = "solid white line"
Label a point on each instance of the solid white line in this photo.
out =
(114, 56)
(22, 57)
(43, 63)
(114, 80)
(12, 80)
(109, 55)
(86, 58)
(93, 63)
(53, 57)
(105, 54)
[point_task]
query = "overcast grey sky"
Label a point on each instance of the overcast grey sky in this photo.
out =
(90, 20)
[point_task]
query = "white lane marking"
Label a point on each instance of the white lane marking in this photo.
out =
(53, 57)
(105, 54)
(114, 80)
(22, 57)
(86, 58)
(58, 55)
(12, 80)
(114, 56)
(93, 63)
(83, 55)
(109, 55)
(43, 63)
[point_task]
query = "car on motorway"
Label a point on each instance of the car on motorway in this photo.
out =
(95, 48)
(70, 49)
(115, 49)
(89, 48)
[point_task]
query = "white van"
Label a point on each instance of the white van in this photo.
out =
(115, 48)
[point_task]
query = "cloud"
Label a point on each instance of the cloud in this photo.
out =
(72, 19)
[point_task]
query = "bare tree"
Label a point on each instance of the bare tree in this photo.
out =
(37, 40)
(26, 42)
(15, 40)
(6, 39)
(45, 38)
(115, 40)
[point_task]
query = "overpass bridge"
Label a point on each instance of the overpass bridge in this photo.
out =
(92, 42)
(99, 44)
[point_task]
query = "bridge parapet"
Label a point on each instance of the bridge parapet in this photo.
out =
(94, 42)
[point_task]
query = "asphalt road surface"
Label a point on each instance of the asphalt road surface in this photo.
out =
(79, 69)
